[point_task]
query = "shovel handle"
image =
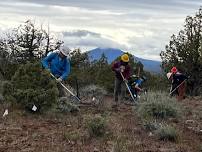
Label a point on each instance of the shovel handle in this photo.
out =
(128, 87)
(66, 88)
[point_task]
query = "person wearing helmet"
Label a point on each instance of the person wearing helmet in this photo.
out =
(58, 63)
(178, 86)
(174, 70)
(118, 67)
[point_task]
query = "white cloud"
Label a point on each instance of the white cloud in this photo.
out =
(87, 40)
(140, 27)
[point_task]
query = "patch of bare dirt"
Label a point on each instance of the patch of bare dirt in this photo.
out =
(26, 132)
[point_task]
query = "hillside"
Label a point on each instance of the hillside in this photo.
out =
(112, 54)
(57, 132)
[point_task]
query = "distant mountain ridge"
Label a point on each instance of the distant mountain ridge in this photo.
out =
(113, 53)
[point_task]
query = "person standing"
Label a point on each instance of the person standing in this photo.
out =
(178, 83)
(119, 67)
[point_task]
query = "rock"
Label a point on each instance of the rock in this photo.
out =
(167, 150)
(189, 121)
(150, 134)
(137, 143)
(95, 150)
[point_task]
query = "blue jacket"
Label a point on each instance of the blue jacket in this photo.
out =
(59, 67)
(138, 82)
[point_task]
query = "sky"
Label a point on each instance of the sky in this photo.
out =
(141, 27)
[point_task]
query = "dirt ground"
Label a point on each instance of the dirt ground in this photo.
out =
(55, 132)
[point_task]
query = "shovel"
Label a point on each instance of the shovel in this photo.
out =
(128, 88)
(66, 88)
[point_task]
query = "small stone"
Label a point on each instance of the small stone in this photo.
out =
(137, 143)
(167, 150)
(150, 134)
(95, 150)
(189, 121)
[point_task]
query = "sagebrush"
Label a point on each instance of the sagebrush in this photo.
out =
(158, 105)
(97, 126)
(167, 133)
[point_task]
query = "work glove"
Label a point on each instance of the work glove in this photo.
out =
(59, 79)
(48, 70)
(125, 80)
(122, 68)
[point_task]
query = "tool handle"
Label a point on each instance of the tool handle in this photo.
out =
(66, 88)
(177, 86)
(128, 88)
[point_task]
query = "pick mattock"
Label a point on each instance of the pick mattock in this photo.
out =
(66, 88)
(128, 87)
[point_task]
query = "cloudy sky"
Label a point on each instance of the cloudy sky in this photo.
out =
(141, 27)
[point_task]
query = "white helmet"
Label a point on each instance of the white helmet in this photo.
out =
(64, 50)
(168, 75)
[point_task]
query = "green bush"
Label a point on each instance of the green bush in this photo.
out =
(159, 106)
(93, 93)
(151, 125)
(1, 90)
(64, 105)
(97, 127)
(200, 148)
(7, 91)
(1, 98)
(31, 85)
(167, 133)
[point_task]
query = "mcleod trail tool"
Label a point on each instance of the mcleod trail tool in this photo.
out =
(66, 88)
(128, 87)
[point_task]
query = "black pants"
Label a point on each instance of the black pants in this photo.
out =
(119, 89)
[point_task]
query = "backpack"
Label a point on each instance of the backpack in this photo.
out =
(132, 80)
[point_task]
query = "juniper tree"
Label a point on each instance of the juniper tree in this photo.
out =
(185, 51)
(31, 85)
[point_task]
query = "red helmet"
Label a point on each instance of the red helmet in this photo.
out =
(174, 70)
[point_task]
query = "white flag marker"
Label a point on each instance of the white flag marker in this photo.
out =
(5, 113)
(34, 108)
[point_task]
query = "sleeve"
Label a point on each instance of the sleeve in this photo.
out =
(185, 76)
(181, 77)
(66, 70)
(47, 59)
(115, 67)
